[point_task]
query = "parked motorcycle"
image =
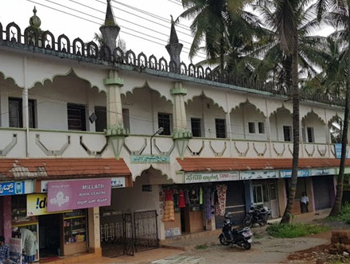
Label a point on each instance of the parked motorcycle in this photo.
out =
(257, 216)
(240, 237)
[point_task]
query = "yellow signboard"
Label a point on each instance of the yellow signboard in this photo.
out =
(37, 204)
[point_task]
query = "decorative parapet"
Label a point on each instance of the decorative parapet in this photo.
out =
(10, 145)
(11, 36)
(51, 152)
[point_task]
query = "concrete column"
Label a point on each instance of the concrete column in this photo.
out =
(268, 128)
(114, 101)
(25, 117)
(6, 220)
(180, 119)
(94, 231)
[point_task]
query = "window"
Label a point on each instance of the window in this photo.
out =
(196, 127)
(310, 134)
(101, 121)
(164, 121)
(287, 133)
(76, 117)
(220, 126)
(16, 112)
(261, 127)
(251, 127)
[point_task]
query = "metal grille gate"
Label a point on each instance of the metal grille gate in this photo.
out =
(146, 230)
(117, 235)
(120, 235)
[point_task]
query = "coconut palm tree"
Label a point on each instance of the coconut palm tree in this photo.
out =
(336, 13)
(275, 68)
(212, 21)
(284, 20)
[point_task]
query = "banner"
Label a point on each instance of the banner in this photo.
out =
(211, 177)
(78, 194)
(37, 205)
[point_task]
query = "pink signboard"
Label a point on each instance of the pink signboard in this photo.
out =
(78, 194)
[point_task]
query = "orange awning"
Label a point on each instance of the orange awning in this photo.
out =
(62, 168)
(244, 164)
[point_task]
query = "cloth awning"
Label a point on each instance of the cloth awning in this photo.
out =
(244, 164)
(62, 168)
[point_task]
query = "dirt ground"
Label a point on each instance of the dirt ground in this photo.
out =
(266, 249)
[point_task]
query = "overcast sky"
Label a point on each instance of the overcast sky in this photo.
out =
(145, 24)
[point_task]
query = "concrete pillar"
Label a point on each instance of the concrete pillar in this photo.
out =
(180, 119)
(94, 231)
(6, 217)
(114, 101)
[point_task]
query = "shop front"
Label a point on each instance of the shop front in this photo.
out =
(59, 219)
(263, 189)
(195, 205)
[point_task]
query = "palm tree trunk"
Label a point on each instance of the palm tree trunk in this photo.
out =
(344, 142)
(294, 179)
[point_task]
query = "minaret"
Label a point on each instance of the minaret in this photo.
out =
(174, 47)
(110, 29)
(35, 21)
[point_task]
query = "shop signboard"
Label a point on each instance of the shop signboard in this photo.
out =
(337, 150)
(288, 173)
(325, 171)
(211, 177)
(259, 174)
(149, 159)
(78, 194)
(116, 182)
(37, 205)
(15, 249)
(16, 187)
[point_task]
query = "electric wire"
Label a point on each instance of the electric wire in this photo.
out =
(94, 22)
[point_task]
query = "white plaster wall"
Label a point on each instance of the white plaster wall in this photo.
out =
(7, 89)
(144, 105)
(255, 116)
(282, 117)
(320, 129)
(52, 99)
(237, 123)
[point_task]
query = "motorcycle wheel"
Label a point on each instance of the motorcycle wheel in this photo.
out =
(247, 246)
(247, 222)
(223, 241)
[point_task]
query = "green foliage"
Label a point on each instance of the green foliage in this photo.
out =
(202, 247)
(344, 214)
(295, 230)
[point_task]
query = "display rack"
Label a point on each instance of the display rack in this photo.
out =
(74, 233)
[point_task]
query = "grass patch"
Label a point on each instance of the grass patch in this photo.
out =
(202, 247)
(344, 215)
(295, 230)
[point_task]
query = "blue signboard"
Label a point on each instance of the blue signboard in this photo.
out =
(11, 188)
(337, 150)
(288, 173)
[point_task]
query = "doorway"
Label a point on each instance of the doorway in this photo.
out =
(49, 235)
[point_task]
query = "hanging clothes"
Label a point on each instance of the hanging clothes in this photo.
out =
(181, 203)
(169, 211)
(221, 204)
(207, 205)
(187, 196)
(200, 195)
(176, 199)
